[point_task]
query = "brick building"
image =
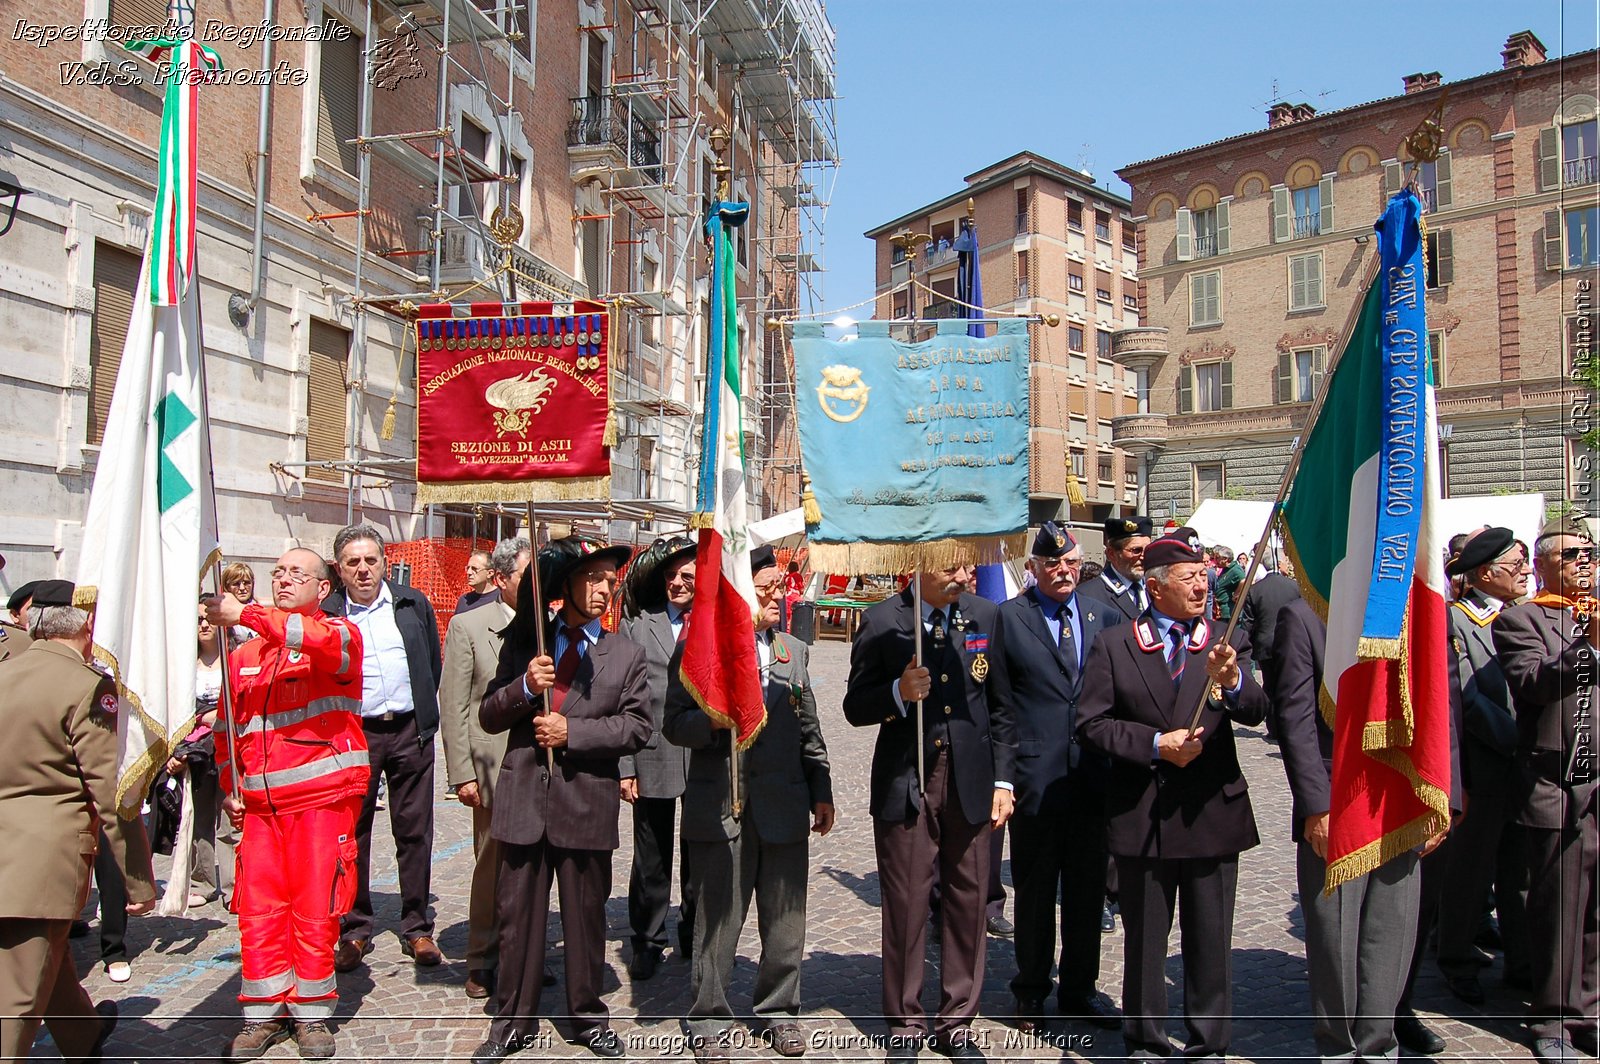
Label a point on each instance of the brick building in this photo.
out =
(1256, 248)
(1051, 242)
(382, 155)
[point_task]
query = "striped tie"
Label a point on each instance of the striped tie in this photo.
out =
(1178, 635)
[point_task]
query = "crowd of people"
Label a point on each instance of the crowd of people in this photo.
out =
(1061, 718)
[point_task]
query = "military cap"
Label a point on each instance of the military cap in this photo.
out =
(1052, 541)
(645, 585)
(1126, 527)
(560, 558)
(1181, 545)
(53, 593)
(1481, 548)
(762, 557)
(1568, 524)
(19, 598)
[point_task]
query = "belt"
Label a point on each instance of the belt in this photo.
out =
(385, 718)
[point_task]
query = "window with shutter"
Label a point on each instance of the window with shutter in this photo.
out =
(1549, 158)
(1186, 389)
(1210, 481)
(1441, 259)
(1552, 240)
(1436, 356)
(1393, 176)
(327, 398)
(339, 101)
(1578, 149)
(1325, 206)
(1185, 238)
(1074, 338)
(137, 14)
(1225, 392)
(116, 279)
(1444, 196)
(1205, 298)
(1305, 281)
(1223, 227)
(1280, 214)
(1284, 390)
(1213, 386)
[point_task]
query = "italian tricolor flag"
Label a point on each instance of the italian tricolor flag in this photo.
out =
(719, 658)
(1361, 525)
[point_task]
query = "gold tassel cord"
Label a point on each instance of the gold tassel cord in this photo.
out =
(407, 338)
(810, 511)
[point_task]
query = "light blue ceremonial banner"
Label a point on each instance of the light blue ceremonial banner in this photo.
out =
(922, 447)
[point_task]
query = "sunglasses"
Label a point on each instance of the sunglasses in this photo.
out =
(1572, 554)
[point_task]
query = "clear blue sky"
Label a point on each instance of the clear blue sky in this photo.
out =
(932, 90)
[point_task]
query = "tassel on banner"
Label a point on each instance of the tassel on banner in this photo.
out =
(387, 431)
(810, 512)
(609, 437)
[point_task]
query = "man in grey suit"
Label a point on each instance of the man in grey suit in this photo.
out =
(471, 755)
(660, 588)
(1550, 661)
(1487, 848)
(785, 791)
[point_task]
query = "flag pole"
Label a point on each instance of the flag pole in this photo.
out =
(916, 650)
(538, 629)
(1289, 471)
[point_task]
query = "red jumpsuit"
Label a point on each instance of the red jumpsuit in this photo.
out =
(302, 770)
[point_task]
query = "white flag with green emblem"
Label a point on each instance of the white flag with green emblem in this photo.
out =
(150, 534)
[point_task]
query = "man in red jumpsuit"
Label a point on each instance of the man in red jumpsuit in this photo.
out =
(302, 771)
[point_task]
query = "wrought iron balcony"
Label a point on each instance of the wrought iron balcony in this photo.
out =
(1307, 225)
(1579, 171)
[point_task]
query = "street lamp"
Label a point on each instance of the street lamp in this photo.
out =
(9, 187)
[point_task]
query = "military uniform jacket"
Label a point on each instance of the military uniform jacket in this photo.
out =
(1153, 808)
(1043, 690)
(1115, 592)
(1551, 672)
(13, 641)
(782, 774)
(58, 786)
(965, 712)
(576, 807)
(661, 766)
(471, 658)
(1488, 719)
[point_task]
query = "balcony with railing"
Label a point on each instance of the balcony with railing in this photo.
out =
(1429, 198)
(599, 130)
(938, 254)
(943, 308)
(1205, 246)
(1579, 171)
(1307, 225)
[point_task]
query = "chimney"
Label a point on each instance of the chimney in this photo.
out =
(1420, 82)
(1280, 115)
(1303, 111)
(1523, 49)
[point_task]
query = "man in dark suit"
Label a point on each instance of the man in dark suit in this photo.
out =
(968, 741)
(1177, 804)
(1262, 605)
(1121, 583)
(660, 586)
(1058, 832)
(559, 793)
(761, 850)
(400, 671)
(1550, 663)
(1487, 849)
(1358, 939)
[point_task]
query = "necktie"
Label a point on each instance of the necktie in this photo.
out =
(683, 626)
(1177, 635)
(567, 667)
(936, 624)
(1137, 589)
(1069, 649)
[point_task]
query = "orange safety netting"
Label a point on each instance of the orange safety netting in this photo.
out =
(437, 569)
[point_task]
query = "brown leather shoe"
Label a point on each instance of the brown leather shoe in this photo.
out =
(422, 950)
(480, 983)
(255, 1039)
(347, 958)
(315, 1040)
(786, 1039)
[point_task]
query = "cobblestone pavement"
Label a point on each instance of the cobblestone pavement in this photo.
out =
(181, 1004)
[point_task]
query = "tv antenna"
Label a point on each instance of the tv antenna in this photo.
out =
(1278, 96)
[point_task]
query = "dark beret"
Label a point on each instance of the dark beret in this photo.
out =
(19, 598)
(762, 557)
(53, 593)
(1179, 545)
(1124, 527)
(1481, 549)
(1052, 541)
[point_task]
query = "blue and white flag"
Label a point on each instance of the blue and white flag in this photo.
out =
(917, 453)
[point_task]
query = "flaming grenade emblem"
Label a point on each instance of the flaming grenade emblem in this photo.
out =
(518, 399)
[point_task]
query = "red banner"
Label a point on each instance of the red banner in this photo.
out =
(513, 402)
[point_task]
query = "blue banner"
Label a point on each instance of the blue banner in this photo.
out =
(1402, 453)
(916, 443)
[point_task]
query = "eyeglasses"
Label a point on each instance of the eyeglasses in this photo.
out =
(476, 569)
(1518, 566)
(293, 576)
(1572, 554)
(1059, 563)
(768, 587)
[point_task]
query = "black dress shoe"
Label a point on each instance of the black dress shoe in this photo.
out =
(1000, 927)
(1414, 1035)
(604, 1043)
(644, 964)
(902, 1048)
(958, 1044)
(1465, 987)
(1108, 919)
(1096, 1009)
(79, 929)
(1029, 1015)
(492, 1050)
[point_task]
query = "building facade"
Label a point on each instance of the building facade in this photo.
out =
(353, 160)
(1257, 248)
(1051, 243)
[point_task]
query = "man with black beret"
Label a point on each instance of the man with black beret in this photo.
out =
(1058, 832)
(1487, 848)
(14, 638)
(660, 591)
(1121, 582)
(762, 851)
(1177, 805)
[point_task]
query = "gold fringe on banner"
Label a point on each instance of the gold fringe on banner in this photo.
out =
(867, 559)
(1373, 648)
(699, 521)
(572, 489)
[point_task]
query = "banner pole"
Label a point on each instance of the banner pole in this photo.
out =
(916, 643)
(538, 628)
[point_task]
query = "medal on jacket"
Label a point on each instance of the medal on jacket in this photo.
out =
(980, 667)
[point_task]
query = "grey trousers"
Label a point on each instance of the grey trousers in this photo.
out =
(1359, 942)
(724, 877)
(1564, 928)
(483, 925)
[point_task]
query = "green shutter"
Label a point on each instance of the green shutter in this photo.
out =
(1441, 184)
(1393, 176)
(1186, 389)
(1185, 234)
(1314, 281)
(1325, 200)
(1444, 269)
(1222, 227)
(1286, 377)
(1280, 214)
(1549, 159)
(1227, 385)
(1552, 240)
